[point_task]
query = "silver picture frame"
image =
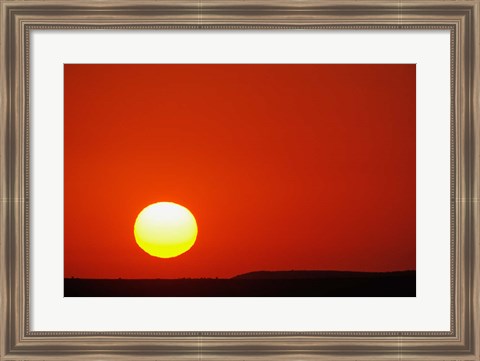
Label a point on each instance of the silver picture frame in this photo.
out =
(18, 18)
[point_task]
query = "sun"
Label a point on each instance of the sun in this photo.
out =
(165, 229)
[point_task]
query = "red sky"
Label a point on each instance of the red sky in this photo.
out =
(284, 166)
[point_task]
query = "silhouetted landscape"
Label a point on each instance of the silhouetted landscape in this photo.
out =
(254, 284)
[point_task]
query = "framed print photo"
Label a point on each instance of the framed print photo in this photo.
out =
(239, 180)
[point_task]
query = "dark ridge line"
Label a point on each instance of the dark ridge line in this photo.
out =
(262, 275)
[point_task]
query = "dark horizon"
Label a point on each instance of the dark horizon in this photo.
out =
(254, 284)
(337, 272)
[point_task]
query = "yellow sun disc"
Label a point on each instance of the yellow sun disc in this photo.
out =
(165, 229)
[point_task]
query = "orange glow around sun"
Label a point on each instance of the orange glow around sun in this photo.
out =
(165, 229)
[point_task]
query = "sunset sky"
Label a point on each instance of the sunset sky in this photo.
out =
(285, 167)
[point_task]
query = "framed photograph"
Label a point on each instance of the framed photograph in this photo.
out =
(239, 180)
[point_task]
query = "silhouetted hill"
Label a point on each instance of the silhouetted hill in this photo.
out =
(294, 275)
(254, 284)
